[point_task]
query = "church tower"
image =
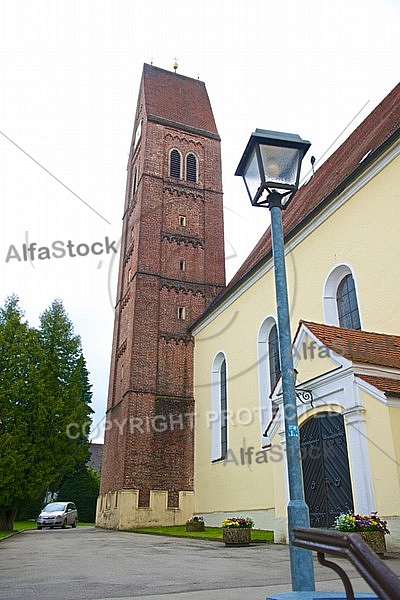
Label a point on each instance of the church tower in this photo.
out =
(171, 268)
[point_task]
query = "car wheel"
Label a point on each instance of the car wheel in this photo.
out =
(64, 525)
(39, 527)
(74, 524)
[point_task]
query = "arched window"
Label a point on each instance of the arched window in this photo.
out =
(268, 371)
(175, 164)
(273, 356)
(219, 409)
(347, 305)
(191, 167)
(224, 408)
(340, 302)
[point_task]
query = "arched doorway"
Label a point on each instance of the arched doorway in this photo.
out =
(326, 472)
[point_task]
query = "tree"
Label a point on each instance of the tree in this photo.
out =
(82, 487)
(44, 387)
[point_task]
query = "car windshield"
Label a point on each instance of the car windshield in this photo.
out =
(54, 507)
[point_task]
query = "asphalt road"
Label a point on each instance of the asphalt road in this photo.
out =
(94, 564)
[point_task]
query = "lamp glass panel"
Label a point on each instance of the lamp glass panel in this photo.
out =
(252, 174)
(280, 164)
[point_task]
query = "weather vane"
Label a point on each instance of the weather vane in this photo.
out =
(175, 64)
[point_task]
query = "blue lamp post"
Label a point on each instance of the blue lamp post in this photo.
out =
(270, 167)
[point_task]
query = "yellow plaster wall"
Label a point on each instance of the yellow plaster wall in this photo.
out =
(231, 486)
(359, 234)
(383, 453)
(394, 419)
(311, 361)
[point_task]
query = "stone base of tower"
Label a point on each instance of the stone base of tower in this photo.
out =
(120, 510)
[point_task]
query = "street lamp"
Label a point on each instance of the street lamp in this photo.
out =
(270, 167)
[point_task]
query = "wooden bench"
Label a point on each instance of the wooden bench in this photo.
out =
(351, 546)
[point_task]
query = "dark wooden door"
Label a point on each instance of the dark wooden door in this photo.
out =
(326, 473)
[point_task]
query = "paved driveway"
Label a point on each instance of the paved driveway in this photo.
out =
(92, 564)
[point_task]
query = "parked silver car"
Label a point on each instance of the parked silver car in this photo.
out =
(58, 514)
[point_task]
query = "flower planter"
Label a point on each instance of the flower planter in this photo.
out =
(239, 536)
(195, 526)
(375, 540)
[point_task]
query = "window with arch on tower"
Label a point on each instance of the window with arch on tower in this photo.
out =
(191, 167)
(175, 164)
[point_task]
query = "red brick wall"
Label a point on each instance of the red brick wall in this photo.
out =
(151, 375)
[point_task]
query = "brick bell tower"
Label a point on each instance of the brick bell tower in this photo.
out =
(171, 267)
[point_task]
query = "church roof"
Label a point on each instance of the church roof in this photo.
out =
(391, 387)
(367, 347)
(177, 99)
(378, 349)
(330, 179)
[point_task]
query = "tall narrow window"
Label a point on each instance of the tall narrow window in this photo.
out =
(191, 167)
(175, 164)
(273, 356)
(134, 182)
(182, 264)
(182, 220)
(219, 404)
(347, 305)
(223, 400)
(181, 313)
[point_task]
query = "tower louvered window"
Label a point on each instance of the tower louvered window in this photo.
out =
(191, 167)
(175, 164)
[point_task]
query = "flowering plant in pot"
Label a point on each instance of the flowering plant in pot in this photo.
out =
(235, 522)
(371, 528)
(236, 531)
(195, 523)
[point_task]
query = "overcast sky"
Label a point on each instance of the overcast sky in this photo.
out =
(70, 73)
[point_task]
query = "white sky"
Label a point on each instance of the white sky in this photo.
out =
(70, 73)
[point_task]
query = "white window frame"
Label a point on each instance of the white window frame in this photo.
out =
(329, 295)
(215, 417)
(264, 386)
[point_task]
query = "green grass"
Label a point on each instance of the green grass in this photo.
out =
(210, 533)
(23, 525)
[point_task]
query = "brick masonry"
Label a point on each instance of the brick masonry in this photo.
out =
(170, 270)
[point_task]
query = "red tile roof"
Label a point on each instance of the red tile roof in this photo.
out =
(368, 137)
(378, 349)
(391, 387)
(179, 99)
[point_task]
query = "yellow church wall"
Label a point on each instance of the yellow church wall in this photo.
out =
(394, 419)
(310, 361)
(383, 454)
(357, 234)
(227, 486)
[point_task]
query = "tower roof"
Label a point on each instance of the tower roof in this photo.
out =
(181, 101)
